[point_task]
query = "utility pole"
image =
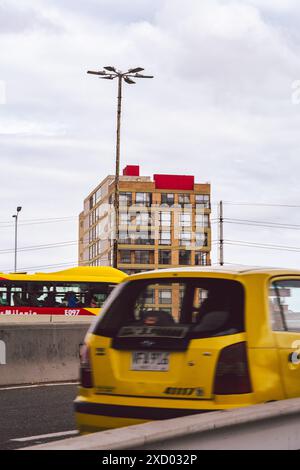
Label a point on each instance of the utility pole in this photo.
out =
(221, 234)
(117, 177)
(19, 208)
(109, 73)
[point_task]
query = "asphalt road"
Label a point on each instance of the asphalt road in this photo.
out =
(36, 411)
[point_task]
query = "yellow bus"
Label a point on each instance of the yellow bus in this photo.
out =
(71, 292)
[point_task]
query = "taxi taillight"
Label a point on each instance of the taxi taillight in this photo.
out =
(232, 373)
(86, 378)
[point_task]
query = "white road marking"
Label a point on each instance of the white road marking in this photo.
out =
(16, 387)
(45, 436)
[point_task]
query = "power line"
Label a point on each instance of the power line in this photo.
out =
(8, 224)
(45, 266)
(261, 224)
(262, 245)
(41, 247)
(232, 203)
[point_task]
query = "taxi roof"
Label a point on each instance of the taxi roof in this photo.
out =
(233, 270)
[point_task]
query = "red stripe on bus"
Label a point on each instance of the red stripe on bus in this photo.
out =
(32, 311)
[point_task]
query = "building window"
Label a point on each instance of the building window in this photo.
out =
(144, 199)
(184, 257)
(141, 238)
(165, 296)
(167, 198)
(125, 256)
(125, 199)
(200, 258)
(92, 234)
(165, 238)
(164, 257)
(92, 201)
(98, 195)
(202, 201)
(142, 218)
(148, 296)
(93, 251)
(130, 271)
(144, 257)
(183, 199)
(124, 238)
(201, 239)
(124, 218)
(165, 219)
(185, 238)
(202, 220)
(185, 220)
(92, 218)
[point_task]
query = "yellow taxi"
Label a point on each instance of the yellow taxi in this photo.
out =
(190, 340)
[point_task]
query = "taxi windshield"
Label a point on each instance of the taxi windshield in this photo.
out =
(201, 307)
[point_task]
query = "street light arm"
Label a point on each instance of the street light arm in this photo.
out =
(96, 73)
(136, 69)
(110, 68)
(138, 75)
(144, 76)
(128, 80)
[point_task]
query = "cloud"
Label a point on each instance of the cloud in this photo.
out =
(219, 107)
(21, 19)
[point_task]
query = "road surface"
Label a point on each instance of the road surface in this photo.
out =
(36, 414)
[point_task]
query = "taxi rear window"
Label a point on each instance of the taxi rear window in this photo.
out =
(198, 307)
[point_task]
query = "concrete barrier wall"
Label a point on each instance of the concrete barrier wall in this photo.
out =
(40, 353)
(272, 426)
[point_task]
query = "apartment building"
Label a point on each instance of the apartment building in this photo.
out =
(164, 221)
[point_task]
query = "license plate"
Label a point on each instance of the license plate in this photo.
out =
(149, 360)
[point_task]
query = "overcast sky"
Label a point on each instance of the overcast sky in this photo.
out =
(221, 106)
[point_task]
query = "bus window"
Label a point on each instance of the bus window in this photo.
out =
(54, 294)
(3, 296)
(69, 294)
(17, 295)
(98, 293)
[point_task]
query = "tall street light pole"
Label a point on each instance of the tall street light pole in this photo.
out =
(109, 73)
(19, 208)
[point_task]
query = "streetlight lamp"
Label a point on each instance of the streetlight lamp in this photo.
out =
(19, 208)
(109, 73)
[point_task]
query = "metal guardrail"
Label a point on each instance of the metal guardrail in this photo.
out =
(267, 426)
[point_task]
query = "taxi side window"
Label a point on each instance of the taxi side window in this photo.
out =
(284, 302)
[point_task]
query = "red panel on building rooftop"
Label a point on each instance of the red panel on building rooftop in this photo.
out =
(131, 170)
(181, 182)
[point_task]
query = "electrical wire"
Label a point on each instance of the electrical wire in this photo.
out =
(263, 246)
(40, 247)
(45, 266)
(29, 222)
(232, 203)
(258, 222)
(264, 225)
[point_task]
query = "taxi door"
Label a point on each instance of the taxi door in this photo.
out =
(284, 301)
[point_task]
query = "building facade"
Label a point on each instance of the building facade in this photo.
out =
(163, 222)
